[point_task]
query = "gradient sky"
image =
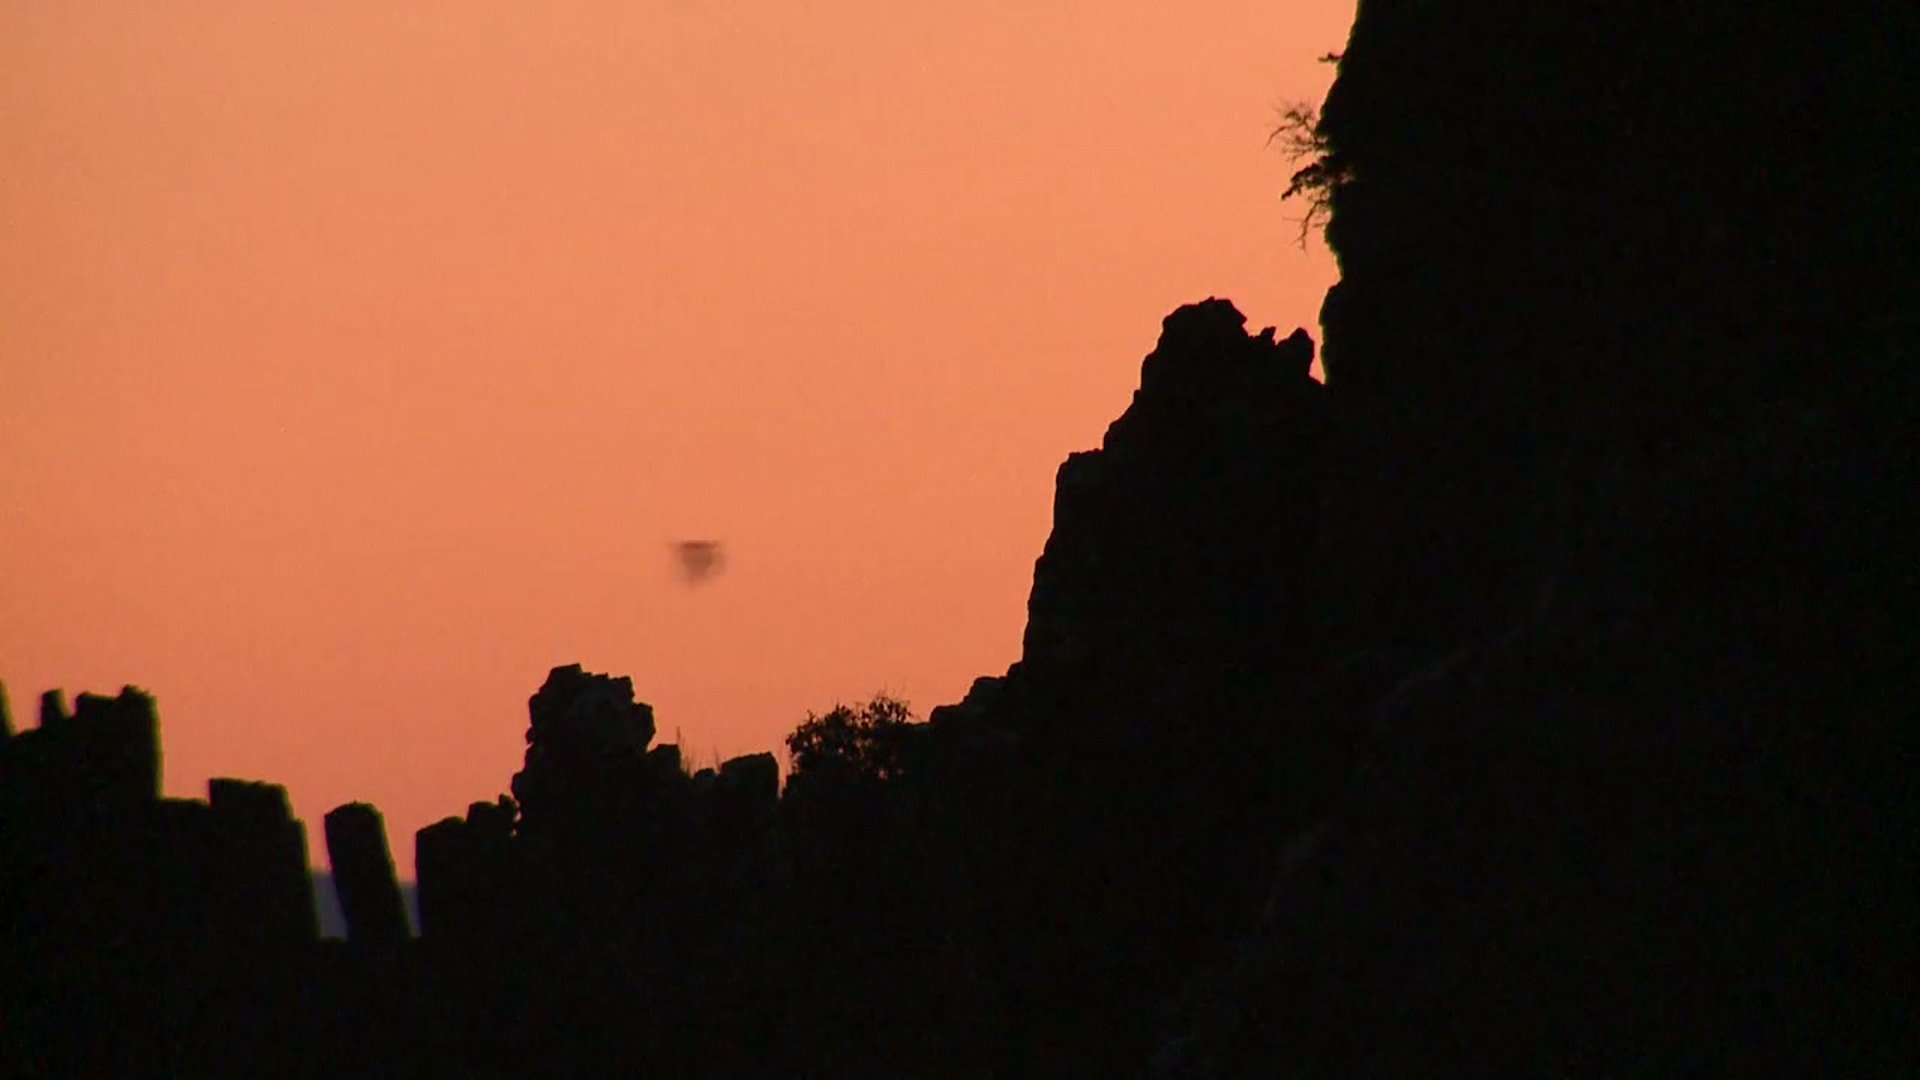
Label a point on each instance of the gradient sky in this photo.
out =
(359, 361)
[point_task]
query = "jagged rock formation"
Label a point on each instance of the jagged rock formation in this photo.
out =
(135, 925)
(363, 876)
(586, 745)
(1534, 698)
(1178, 549)
(614, 913)
(103, 757)
(464, 872)
(1174, 598)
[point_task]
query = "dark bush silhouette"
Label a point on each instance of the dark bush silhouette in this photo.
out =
(872, 740)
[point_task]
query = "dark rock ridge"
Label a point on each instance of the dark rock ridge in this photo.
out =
(1534, 698)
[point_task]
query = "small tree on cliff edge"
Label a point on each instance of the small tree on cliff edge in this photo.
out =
(871, 740)
(1321, 169)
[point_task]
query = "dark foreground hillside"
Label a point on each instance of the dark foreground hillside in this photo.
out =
(1536, 696)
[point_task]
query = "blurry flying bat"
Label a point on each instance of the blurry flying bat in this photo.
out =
(698, 560)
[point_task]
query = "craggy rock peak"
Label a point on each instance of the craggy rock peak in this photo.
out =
(1173, 601)
(587, 733)
(1178, 549)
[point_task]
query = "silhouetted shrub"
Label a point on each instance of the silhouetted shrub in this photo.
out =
(1321, 169)
(870, 740)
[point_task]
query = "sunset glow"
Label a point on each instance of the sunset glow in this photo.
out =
(359, 362)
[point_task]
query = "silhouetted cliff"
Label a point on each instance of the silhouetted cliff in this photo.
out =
(1535, 697)
(1620, 512)
(1174, 603)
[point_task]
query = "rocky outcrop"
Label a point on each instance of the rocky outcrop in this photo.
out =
(130, 919)
(1176, 595)
(364, 878)
(264, 887)
(466, 874)
(1178, 552)
(1128, 768)
(1607, 555)
(586, 750)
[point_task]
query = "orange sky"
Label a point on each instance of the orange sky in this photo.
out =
(359, 360)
